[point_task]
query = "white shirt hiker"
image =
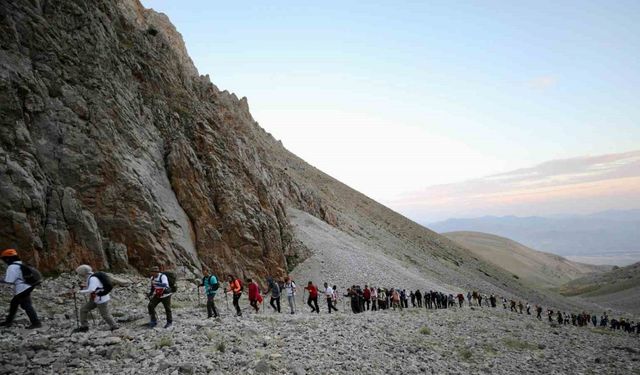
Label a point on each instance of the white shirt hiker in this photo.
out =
(95, 285)
(14, 276)
(328, 292)
(160, 282)
(290, 288)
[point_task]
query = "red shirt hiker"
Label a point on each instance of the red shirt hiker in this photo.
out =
(313, 291)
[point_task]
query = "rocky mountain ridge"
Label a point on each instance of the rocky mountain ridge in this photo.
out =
(117, 153)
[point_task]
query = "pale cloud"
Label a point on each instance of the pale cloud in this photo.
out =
(542, 82)
(576, 185)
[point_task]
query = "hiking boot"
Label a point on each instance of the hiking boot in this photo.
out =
(168, 325)
(80, 329)
(152, 324)
(35, 325)
(114, 328)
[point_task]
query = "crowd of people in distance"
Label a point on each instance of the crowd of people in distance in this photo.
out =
(98, 286)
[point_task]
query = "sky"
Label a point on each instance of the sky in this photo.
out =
(580, 185)
(393, 98)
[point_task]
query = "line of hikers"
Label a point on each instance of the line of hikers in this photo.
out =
(98, 286)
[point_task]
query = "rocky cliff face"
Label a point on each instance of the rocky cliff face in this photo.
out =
(114, 151)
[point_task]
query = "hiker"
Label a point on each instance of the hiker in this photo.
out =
(559, 317)
(254, 295)
(353, 297)
(528, 309)
(334, 297)
(235, 287)
(418, 297)
(469, 298)
(460, 299)
(374, 299)
(312, 300)
(404, 299)
(382, 299)
(290, 288)
(328, 293)
(360, 296)
(594, 320)
(538, 312)
(512, 306)
(160, 292)
(211, 286)
(479, 299)
(413, 298)
(395, 299)
(274, 288)
(366, 294)
(22, 290)
(520, 306)
(98, 287)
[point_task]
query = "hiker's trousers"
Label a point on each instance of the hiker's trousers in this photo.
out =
(236, 303)
(292, 303)
(103, 309)
(275, 303)
(166, 302)
(313, 303)
(330, 305)
(211, 306)
(24, 301)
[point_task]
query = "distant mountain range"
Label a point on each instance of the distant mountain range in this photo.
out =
(614, 233)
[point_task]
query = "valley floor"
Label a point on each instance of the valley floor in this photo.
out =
(411, 341)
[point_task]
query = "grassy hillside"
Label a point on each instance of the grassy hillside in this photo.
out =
(618, 288)
(538, 268)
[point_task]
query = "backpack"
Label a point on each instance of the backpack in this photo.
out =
(212, 287)
(107, 285)
(173, 284)
(240, 283)
(30, 274)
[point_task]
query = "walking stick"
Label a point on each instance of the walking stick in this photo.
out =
(75, 305)
(226, 300)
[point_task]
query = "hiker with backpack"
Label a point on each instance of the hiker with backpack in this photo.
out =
(235, 287)
(254, 295)
(290, 288)
(312, 300)
(274, 288)
(98, 286)
(160, 292)
(24, 279)
(211, 286)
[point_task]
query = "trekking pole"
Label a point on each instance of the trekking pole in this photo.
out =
(75, 304)
(199, 303)
(226, 300)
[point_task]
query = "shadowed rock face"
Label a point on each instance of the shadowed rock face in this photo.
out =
(115, 152)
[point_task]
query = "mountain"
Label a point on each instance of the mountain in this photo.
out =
(538, 268)
(618, 288)
(117, 153)
(613, 233)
